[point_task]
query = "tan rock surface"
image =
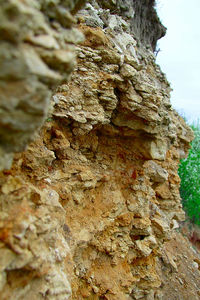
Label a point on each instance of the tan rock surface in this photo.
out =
(86, 209)
(36, 53)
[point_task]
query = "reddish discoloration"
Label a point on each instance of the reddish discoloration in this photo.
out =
(134, 174)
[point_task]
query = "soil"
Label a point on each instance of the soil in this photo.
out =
(180, 265)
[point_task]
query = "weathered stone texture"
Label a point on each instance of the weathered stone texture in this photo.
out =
(143, 18)
(36, 53)
(87, 207)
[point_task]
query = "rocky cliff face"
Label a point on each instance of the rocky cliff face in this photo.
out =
(86, 209)
(36, 54)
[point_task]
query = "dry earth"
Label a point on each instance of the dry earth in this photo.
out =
(180, 269)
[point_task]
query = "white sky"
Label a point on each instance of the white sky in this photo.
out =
(179, 57)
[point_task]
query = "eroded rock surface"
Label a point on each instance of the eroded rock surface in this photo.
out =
(86, 209)
(36, 54)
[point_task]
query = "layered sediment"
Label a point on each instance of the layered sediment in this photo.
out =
(86, 208)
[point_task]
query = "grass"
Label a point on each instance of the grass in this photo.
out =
(189, 172)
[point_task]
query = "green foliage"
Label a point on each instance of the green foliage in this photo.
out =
(189, 172)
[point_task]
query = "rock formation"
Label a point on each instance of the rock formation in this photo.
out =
(36, 54)
(87, 207)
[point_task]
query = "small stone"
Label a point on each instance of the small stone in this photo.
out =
(83, 69)
(195, 264)
(131, 207)
(180, 280)
(155, 171)
(128, 72)
(81, 55)
(158, 149)
(95, 289)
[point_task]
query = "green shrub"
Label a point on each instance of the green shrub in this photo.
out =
(189, 172)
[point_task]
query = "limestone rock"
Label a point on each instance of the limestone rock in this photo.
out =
(155, 171)
(29, 71)
(87, 207)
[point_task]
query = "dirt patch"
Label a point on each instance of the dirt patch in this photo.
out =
(180, 269)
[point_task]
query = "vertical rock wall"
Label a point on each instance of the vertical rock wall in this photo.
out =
(85, 210)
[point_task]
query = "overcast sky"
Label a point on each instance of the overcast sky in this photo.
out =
(179, 57)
